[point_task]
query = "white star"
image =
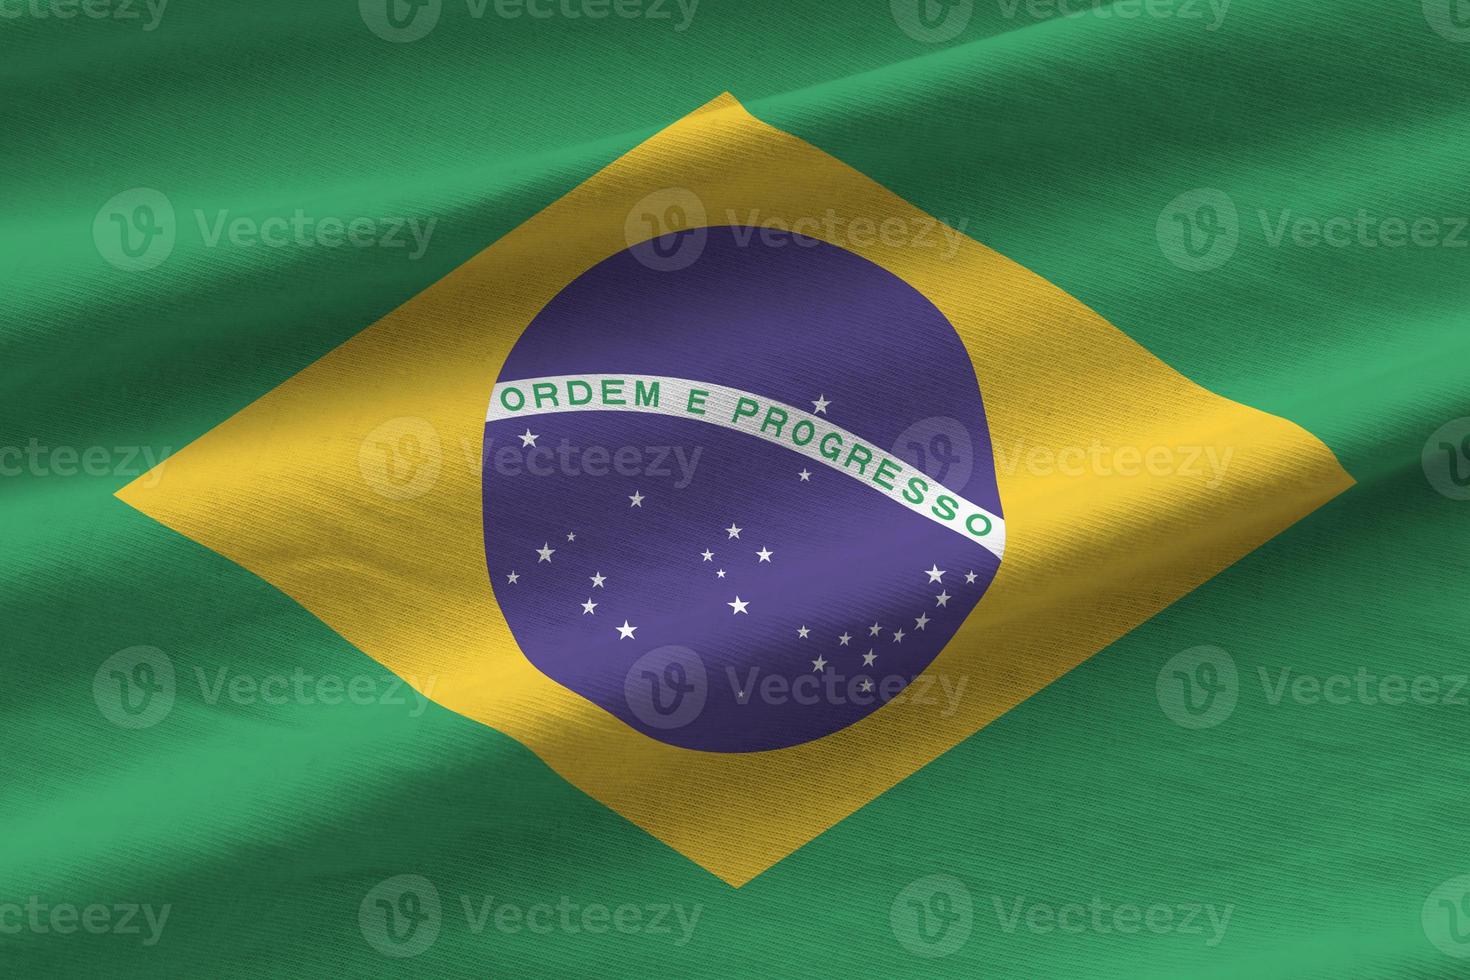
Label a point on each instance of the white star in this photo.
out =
(819, 664)
(843, 640)
(868, 658)
(935, 575)
(738, 606)
(866, 686)
(597, 580)
(970, 579)
(803, 632)
(528, 438)
(588, 606)
(898, 637)
(637, 499)
(571, 536)
(820, 405)
(720, 573)
(874, 630)
(942, 599)
(707, 555)
(765, 555)
(513, 577)
(545, 551)
(625, 632)
(922, 621)
(806, 476)
(733, 531)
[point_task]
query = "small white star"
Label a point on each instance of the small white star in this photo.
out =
(868, 658)
(625, 632)
(803, 632)
(874, 630)
(707, 555)
(513, 577)
(942, 599)
(819, 664)
(806, 476)
(765, 555)
(528, 438)
(571, 536)
(733, 531)
(898, 637)
(597, 580)
(738, 606)
(970, 579)
(866, 686)
(935, 575)
(922, 621)
(820, 405)
(545, 551)
(588, 606)
(720, 573)
(843, 640)
(637, 499)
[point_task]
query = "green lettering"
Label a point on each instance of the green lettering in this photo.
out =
(774, 416)
(645, 396)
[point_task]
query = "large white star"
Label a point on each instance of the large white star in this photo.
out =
(597, 580)
(625, 632)
(942, 599)
(874, 630)
(637, 499)
(733, 531)
(898, 637)
(970, 579)
(708, 555)
(922, 621)
(868, 658)
(588, 606)
(765, 554)
(819, 664)
(802, 632)
(844, 639)
(820, 405)
(935, 575)
(738, 605)
(528, 438)
(513, 577)
(545, 551)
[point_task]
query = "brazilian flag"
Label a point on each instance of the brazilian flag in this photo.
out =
(647, 488)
